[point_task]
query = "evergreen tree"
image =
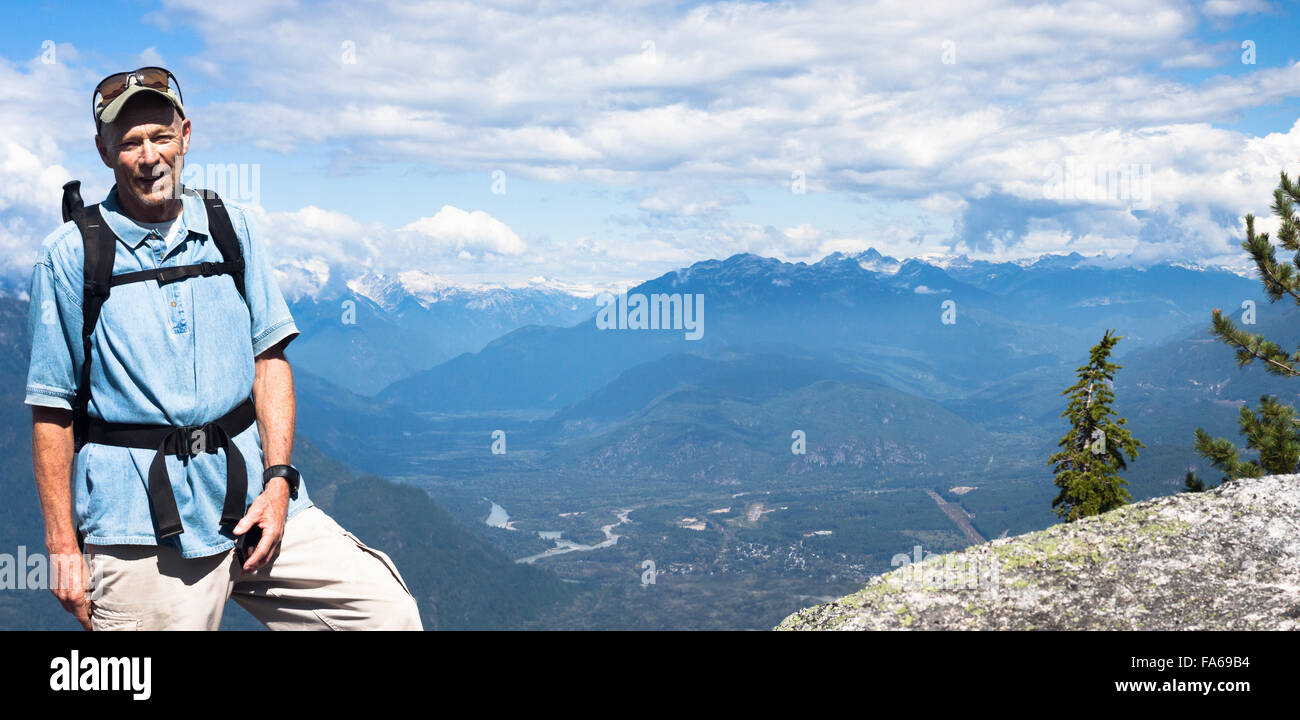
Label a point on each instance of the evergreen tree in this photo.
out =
(1273, 430)
(1093, 451)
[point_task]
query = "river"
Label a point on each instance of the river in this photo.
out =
(563, 546)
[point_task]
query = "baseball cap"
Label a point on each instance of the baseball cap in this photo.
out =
(115, 91)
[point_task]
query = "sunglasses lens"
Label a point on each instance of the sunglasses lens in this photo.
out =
(153, 77)
(112, 86)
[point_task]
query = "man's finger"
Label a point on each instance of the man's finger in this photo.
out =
(250, 518)
(82, 612)
(261, 552)
(70, 578)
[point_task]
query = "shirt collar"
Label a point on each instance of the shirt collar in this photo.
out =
(130, 234)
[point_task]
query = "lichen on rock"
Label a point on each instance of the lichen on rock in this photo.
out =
(1224, 559)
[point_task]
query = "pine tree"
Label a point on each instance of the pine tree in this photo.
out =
(1094, 450)
(1273, 430)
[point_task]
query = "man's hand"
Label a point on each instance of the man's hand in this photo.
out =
(268, 512)
(68, 568)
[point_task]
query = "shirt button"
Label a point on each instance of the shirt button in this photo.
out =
(173, 303)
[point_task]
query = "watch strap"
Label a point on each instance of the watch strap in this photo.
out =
(288, 472)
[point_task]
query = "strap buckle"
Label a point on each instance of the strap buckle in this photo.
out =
(170, 274)
(192, 440)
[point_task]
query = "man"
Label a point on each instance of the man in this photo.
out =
(171, 532)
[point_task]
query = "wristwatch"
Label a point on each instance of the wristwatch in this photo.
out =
(288, 472)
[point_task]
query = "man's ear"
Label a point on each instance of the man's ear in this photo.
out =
(185, 135)
(102, 146)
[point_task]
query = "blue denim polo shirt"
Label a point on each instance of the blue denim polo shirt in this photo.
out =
(176, 354)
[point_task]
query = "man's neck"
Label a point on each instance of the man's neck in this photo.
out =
(166, 212)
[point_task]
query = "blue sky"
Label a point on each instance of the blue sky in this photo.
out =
(640, 139)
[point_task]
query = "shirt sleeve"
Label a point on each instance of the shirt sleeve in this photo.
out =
(54, 321)
(271, 321)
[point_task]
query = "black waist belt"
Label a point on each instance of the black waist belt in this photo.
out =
(184, 442)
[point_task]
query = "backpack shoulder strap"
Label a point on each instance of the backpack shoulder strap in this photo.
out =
(223, 233)
(98, 246)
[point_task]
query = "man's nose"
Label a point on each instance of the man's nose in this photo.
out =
(149, 154)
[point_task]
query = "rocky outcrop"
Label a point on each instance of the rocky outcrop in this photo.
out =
(1228, 558)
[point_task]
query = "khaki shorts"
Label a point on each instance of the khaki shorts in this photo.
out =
(323, 578)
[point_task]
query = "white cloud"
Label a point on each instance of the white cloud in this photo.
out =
(1228, 8)
(312, 248)
(150, 56)
(38, 119)
(470, 234)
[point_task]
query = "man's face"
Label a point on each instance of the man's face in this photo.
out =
(145, 146)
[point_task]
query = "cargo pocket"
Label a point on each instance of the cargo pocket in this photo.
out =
(101, 619)
(382, 556)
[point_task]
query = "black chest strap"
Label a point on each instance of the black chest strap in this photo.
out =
(166, 275)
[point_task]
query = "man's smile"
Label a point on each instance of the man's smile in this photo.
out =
(150, 181)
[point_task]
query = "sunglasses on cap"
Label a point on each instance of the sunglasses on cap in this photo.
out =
(112, 87)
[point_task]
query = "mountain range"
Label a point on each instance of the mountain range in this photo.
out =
(889, 317)
(374, 330)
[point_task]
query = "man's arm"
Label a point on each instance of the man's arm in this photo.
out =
(54, 321)
(274, 400)
(52, 454)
